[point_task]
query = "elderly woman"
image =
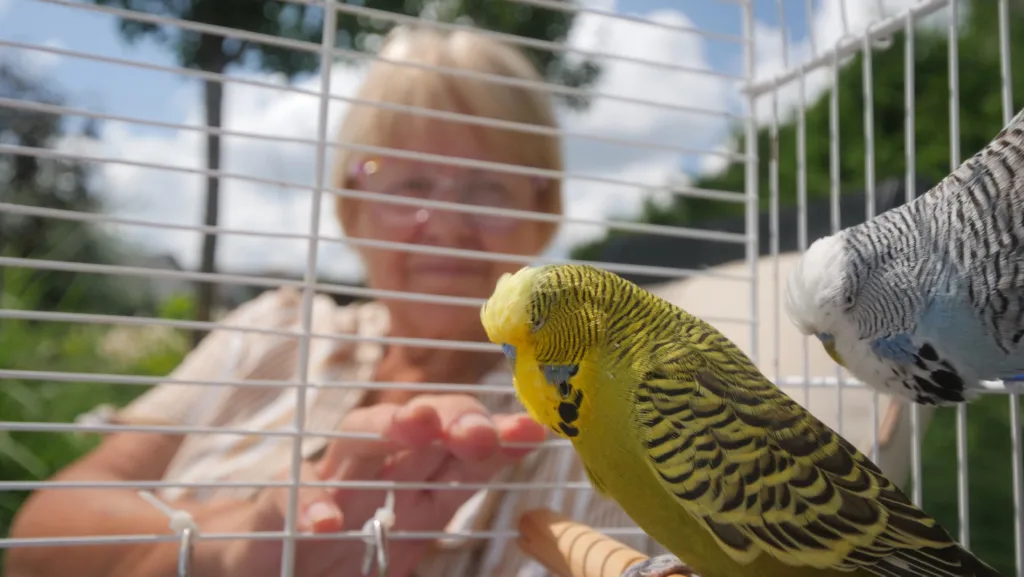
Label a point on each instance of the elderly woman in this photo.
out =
(472, 429)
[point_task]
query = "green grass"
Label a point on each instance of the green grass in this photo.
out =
(66, 348)
(989, 482)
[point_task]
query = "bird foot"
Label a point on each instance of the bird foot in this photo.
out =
(660, 566)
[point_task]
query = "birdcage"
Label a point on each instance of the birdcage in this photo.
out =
(174, 180)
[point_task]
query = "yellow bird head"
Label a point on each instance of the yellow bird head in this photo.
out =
(545, 320)
(506, 314)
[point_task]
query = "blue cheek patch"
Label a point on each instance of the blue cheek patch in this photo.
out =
(898, 348)
(824, 337)
(509, 350)
(556, 374)
(510, 354)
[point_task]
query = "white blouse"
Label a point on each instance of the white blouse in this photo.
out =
(241, 356)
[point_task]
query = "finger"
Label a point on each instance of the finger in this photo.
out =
(418, 424)
(432, 509)
(511, 429)
(424, 465)
(404, 467)
(317, 512)
(519, 429)
(398, 427)
(469, 432)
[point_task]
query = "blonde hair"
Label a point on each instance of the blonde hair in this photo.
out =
(422, 87)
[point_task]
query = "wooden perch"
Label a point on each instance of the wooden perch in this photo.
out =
(570, 549)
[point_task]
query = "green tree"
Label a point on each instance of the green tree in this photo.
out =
(59, 184)
(214, 53)
(980, 114)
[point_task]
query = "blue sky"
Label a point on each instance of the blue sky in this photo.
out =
(152, 95)
(146, 94)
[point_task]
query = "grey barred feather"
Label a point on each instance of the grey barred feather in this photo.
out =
(929, 296)
(968, 229)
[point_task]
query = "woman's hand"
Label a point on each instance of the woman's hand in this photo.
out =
(468, 451)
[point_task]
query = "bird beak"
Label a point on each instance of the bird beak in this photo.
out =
(830, 348)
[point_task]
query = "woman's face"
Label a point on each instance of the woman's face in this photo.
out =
(438, 273)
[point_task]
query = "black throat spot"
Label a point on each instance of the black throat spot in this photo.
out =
(569, 409)
(936, 380)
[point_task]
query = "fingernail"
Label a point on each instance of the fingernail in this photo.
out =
(320, 511)
(405, 412)
(471, 420)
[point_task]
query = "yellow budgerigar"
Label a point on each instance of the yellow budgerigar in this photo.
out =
(704, 453)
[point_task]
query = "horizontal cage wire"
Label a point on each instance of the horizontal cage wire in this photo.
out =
(218, 242)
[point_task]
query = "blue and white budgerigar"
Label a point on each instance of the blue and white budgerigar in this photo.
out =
(926, 300)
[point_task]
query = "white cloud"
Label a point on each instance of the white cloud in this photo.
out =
(714, 164)
(650, 169)
(36, 62)
(597, 201)
(178, 198)
(829, 25)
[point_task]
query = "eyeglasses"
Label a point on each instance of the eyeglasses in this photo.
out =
(417, 180)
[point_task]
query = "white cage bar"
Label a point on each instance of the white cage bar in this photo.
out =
(757, 91)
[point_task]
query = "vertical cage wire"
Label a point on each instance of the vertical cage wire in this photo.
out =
(773, 230)
(1017, 469)
(963, 490)
(835, 189)
(288, 560)
(801, 208)
(828, 58)
(751, 176)
(869, 187)
(910, 150)
(773, 200)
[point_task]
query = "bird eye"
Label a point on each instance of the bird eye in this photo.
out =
(537, 324)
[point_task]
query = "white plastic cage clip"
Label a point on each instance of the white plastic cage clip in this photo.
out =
(376, 539)
(182, 524)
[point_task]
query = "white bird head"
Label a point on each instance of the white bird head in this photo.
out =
(816, 296)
